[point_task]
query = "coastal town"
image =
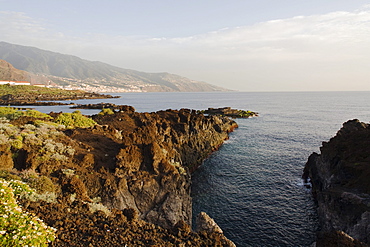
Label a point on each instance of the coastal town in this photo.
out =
(82, 86)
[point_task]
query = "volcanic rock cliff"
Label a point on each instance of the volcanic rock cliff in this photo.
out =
(340, 178)
(149, 157)
(138, 165)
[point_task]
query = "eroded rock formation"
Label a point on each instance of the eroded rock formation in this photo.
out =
(340, 178)
(139, 163)
(207, 224)
(148, 158)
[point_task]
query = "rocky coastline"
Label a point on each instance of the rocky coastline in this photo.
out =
(340, 178)
(37, 96)
(97, 106)
(229, 112)
(133, 168)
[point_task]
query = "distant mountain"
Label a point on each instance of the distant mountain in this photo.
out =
(66, 70)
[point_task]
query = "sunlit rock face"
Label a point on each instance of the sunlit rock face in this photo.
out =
(143, 161)
(126, 178)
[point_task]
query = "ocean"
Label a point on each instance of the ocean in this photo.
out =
(252, 185)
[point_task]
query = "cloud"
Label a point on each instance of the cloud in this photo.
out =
(291, 38)
(318, 52)
(18, 24)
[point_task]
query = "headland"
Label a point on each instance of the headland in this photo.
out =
(114, 179)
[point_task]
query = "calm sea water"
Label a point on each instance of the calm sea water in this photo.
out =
(251, 186)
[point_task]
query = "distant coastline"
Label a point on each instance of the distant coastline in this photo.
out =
(24, 95)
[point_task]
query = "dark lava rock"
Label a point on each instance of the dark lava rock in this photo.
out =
(340, 178)
(337, 239)
(138, 165)
(111, 106)
(233, 113)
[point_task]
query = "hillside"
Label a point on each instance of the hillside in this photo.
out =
(9, 73)
(67, 70)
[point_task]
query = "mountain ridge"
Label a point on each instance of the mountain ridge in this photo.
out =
(69, 70)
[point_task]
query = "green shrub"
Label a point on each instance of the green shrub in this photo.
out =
(17, 227)
(10, 113)
(7, 175)
(51, 150)
(41, 184)
(13, 113)
(40, 123)
(44, 188)
(36, 114)
(106, 111)
(75, 119)
(39, 138)
(8, 130)
(17, 142)
(10, 135)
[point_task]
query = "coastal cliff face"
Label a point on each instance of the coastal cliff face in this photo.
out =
(148, 158)
(340, 178)
(137, 165)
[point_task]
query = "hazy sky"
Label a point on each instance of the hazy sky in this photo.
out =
(255, 45)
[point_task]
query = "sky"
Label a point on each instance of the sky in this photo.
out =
(255, 45)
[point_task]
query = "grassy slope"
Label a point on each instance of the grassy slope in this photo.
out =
(35, 91)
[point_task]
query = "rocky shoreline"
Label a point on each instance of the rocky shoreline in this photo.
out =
(97, 106)
(340, 178)
(133, 168)
(228, 112)
(32, 95)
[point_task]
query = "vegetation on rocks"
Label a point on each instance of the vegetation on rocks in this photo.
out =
(17, 226)
(106, 111)
(37, 92)
(125, 179)
(41, 138)
(74, 120)
(13, 113)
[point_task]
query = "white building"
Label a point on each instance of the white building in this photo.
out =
(15, 83)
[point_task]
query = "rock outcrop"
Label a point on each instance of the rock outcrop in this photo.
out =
(155, 153)
(137, 163)
(340, 178)
(207, 224)
(233, 113)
